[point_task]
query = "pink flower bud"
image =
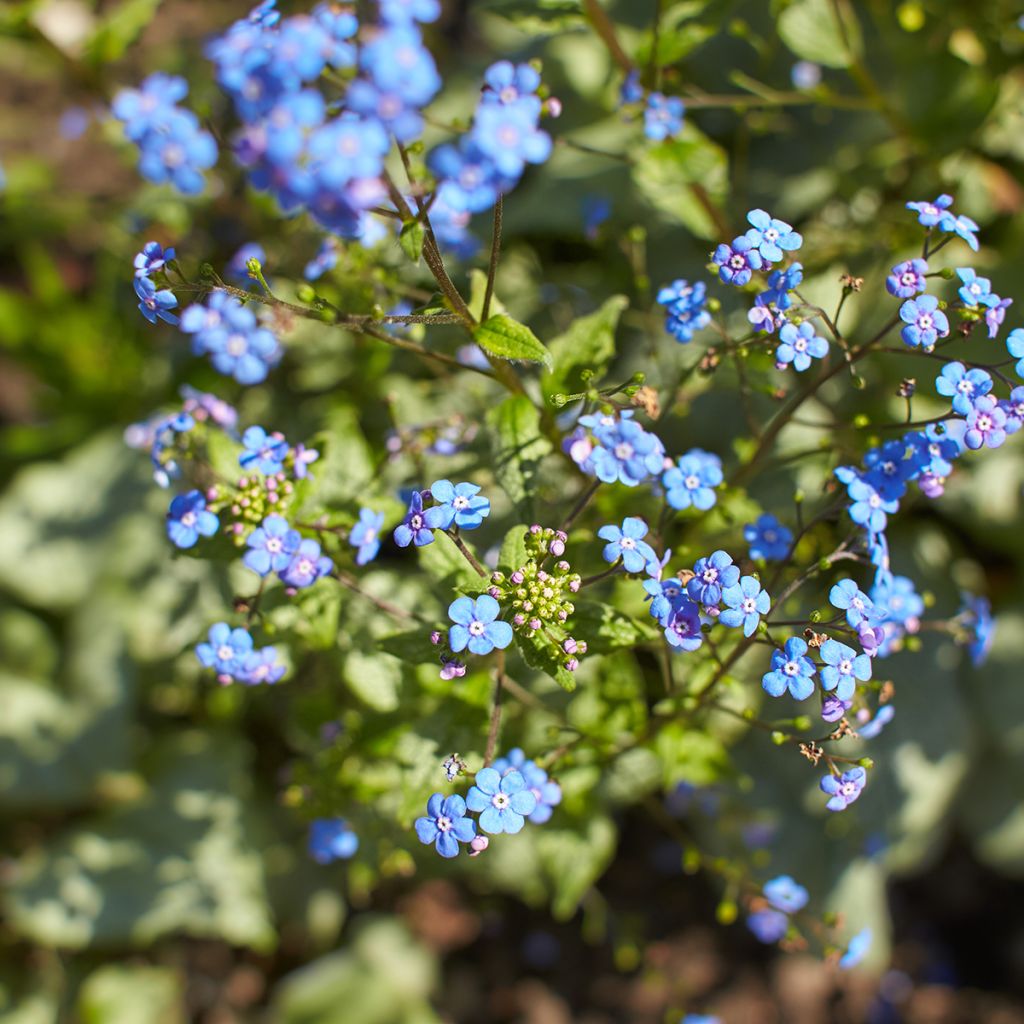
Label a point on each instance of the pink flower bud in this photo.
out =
(494, 592)
(572, 664)
(517, 577)
(535, 529)
(542, 577)
(535, 624)
(575, 585)
(435, 637)
(518, 619)
(562, 566)
(569, 645)
(553, 106)
(477, 845)
(557, 547)
(211, 494)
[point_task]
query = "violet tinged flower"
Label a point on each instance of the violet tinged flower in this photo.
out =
(625, 452)
(785, 894)
(768, 925)
(986, 424)
(628, 544)
(976, 616)
(843, 789)
(306, 566)
(302, 459)
(1014, 409)
(264, 453)
(962, 385)
(843, 666)
(229, 333)
(766, 318)
(907, 279)
(365, 535)
(1015, 346)
(682, 626)
(155, 303)
(832, 708)
(691, 482)
(417, 527)
(684, 309)
(896, 594)
(458, 504)
(868, 507)
(995, 313)
(505, 82)
(974, 289)
(768, 538)
(508, 134)
(870, 638)
(771, 237)
(547, 792)
(502, 801)
(153, 258)
(271, 546)
(667, 597)
(925, 322)
(477, 625)
(790, 671)
(451, 668)
(700, 1018)
(746, 602)
(331, 839)
(663, 117)
(781, 283)
(445, 825)
(870, 729)
(711, 575)
(856, 950)
(632, 91)
(799, 345)
(965, 228)
(737, 261)
(325, 259)
(848, 597)
(260, 667)
(225, 650)
(188, 519)
(930, 215)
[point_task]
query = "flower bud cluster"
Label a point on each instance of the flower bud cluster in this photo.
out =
(254, 498)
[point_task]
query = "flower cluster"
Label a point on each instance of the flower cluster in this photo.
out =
(231, 653)
(454, 505)
(784, 897)
(685, 312)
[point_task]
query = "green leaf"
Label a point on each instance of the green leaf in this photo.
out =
(678, 34)
(118, 30)
(518, 446)
(477, 291)
(823, 31)
(506, 338)
(589, 342)
(126, 995)
(686, 179)
(605, 629)
(513, 549)
(411, 240)
(545, 658)
(413, 646)
(691, 755)
(374, 678)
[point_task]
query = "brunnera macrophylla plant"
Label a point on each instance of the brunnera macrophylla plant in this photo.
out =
(328, 118)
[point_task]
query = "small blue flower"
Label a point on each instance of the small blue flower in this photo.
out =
(785, 894)
(711, 575)
(477, 625)
(663, 117)
(848, 597)
(260, 667)
(843, 667)
(965, 228)
(682, 626)
(746, 602)
(962, 385)
(365, 535)
(265, 453)
(790, 670)
(503, 801)
(986, 424)
(625, 452)
(737, 261)
(976, 615)
(155, 303)
(632, 91)
(768, 538)
(907, 279)
(974, 289)
(505, 82)
(508, 134)
(271, 546)
(306, 566)
(768, 925)
(771, 237)
(930, 215)
(799, 345)
(325, 259)
(331, 839)
(700, 1018)
(925, 322)
(153, 258)
(896, 594)
(843, 789)
(1015, 346)
(684, 309)
(458, 504)
(302, 459)
(627, 543)
(445, 825)
(547, 791)
(1014, 409)
(995, 313)
(883, 717)
(868, 507)
(856, 950)
(666, 597)
(225, 649)
(691, 482)
(417, 526)
(781, 283)
(188, 519)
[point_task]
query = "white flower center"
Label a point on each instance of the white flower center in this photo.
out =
(477, 628)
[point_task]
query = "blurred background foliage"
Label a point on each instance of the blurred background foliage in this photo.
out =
(154, 824)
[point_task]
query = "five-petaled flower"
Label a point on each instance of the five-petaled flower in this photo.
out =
(790, 670)
(745, 603)
(925, 322)
(365, 535)
(626, 542)
(331, 839)
(843, 789)
(799, 345)
(477, 626)
(458, 504)
(503, 801)
(188, 519)
(843, 667)
(445, 825)
(271, 546)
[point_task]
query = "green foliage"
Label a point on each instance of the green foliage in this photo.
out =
(505, 338)
(824, 31)
(588, 344)
(517, 447)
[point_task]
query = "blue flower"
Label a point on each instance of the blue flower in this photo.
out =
(896, 594)
(325, 259)
(365, 535)
(799, 345)
(711, 575)
(397, 61)
(188, 519)
(883, 717)
(930, 215)
(768, 925)
(400, 12)
(503, 801)
(771, 236)
(925, 322)
(477, 625)
(154, 302)
(153, 258)
(306, 566)
(856, 950)
(700, 1018)
(682, 626)
(780, 284)
(445, 825)
(627, 543)
(907, 279)
(547, 791)
(783, 893)
(962, 385)
(768, 538)
(843, 667)
(847, 596)
(790, 670)
(843, 789)
(995, 313)
(684, 308)
(1015, 346)
(417, 526)
(505, 82)
(228, 332)
(666, 597)
(271, 546)
(632, 91)
(237, 268)
(331, 839)
(264, 453)
(965, 228)
(302, 459)
(737, 261)
(1014, 409)
(225, 649)
(976, 615)
(663, 117)
(260, 667)
(869, 507)
(986, 424)
(625, 452)
(508, 134)
(974, 289)
(691, 482)
(746, 603)
(458, 504)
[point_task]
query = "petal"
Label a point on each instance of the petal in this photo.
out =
(442, 491)
(523, 802)
(487, 608)
(458, 638)
(488, 781)
(454, 807)
(512, 822)
(513, 782)
(447, 845)
(434, 805)
(477, 799)
(491, 821)
(426, 830)
(464, 829)
(461, 611)
(481, 644)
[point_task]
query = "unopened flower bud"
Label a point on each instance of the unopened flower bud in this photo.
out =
(517, 577)
(435, 637)
(518, 619)
(477, 845)
(569, 645)
(557, 548)
(574, 585)
(494, 592)
(535, 529)
(535, 624)
(572, 664)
